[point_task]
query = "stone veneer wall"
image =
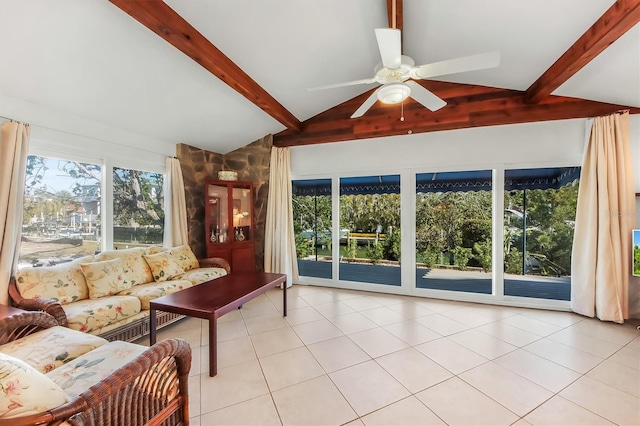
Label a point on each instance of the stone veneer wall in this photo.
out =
(252, 164)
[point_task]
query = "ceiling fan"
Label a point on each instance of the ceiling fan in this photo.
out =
(397, 72)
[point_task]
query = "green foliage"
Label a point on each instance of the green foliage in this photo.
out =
(304, 246)
(462, 256)
(352, 248)
(364, 213)
(374, 251)
(430, 257)
(391, 245)
(513, 261)
(482, 253)
(636, 260)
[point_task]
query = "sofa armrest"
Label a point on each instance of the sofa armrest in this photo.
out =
(19, 325)
(49, 306)
(215, 262)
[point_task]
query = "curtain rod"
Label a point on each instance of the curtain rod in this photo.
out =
(79, 135)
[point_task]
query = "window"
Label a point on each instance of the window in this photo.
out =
(312, 226)
(61, 215)
(138, 208)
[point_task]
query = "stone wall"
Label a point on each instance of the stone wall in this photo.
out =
(252, 164)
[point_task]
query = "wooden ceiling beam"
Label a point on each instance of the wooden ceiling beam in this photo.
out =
(165, 22)
(394, 14)
(467, 106)
(617, 20)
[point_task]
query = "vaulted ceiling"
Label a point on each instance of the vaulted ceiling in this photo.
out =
(219, 74)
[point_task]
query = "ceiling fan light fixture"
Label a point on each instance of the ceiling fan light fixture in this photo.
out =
(393, 93)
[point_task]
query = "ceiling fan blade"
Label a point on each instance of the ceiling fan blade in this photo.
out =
(425, 97)
(346, 83)
(453, 66)
(366, 104)
(389, 45)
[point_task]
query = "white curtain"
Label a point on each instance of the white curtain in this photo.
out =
(279, 244)
(14, 148)
(176, 232)
(605, 217)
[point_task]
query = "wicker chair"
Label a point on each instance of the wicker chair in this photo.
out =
(152, 389)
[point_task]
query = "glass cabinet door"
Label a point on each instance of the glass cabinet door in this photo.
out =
(241, 213)
(218, 208)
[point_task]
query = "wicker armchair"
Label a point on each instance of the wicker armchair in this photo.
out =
(152, 389)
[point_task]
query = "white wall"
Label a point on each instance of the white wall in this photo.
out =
(556, 143)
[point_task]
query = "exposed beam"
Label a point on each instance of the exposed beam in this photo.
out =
(394, 14)
(617, 20)
(467, 106)
(165, 22)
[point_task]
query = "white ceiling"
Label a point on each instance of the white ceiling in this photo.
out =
(90, 59)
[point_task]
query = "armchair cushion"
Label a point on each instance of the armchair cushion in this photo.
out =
(104, 278)
(26, 391)
(163, 266)
(48, 349)
(88, 315)
(147, 292)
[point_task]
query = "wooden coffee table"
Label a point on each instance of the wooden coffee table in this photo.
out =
(215, 298)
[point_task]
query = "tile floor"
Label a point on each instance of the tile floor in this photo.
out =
(360, 358)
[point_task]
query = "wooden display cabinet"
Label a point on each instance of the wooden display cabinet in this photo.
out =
(228, 222)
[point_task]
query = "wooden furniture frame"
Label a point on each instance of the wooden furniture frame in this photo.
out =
(152, 389)
(215, 298)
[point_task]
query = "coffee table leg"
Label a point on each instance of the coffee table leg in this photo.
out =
(152, 327)
(213, 346)
(284, 299)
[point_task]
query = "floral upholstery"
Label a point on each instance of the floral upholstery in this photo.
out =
(104, 278)
(25, 391)
(163, 266)
(48, 349)
(146, 292)
(80, 374)
(88, 315)
(156, 249)
(64, 283)
(200, 275)
(136, 270)
(185, 257)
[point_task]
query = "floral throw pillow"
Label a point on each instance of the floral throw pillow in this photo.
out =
(104, 278)
(163, 266)
(185, 257)
(24, 390)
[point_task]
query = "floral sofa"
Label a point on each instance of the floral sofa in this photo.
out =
(108, 294)
(54, 375)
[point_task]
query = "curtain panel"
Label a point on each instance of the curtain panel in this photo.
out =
(14, 148)
(280, 247)
(605, 217)
(176, 232)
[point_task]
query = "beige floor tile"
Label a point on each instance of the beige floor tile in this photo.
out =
(195, 395)
(344, 294)
(318, 298)
(292, 303)
(547, 374)
(258, 310)
(618, 376)
(334, 309)
(612, 404)
(413, 370)
(314, 402)
(627, 356)
(412, 332)
(410, 310)
(382, 316)
(564, 355)
(191, 335)
(468, 317)
(257, 411)
(368, 387)
(230, 316)
(317, 331)
(361, 303)
(407, 412)
(532, 325)
(442, 325)
(336, 354)
(439, 306)
(289, 368)
(506, 387)
(302, 315)
(452, 356)
(232, 385)
(352, 323)
(494, 312)
(620, 334)
(512, 335)
(356, 422)
(377, 342)
(230, 352)
(226, 331)
(264, 323)
(195, 361)
(458, 403)
(521, 422)
(634, 344)
(275, 341)
(559, 318)
(592, 345)
(483, 344)
(195, 421)
(388, 299)
(560, 412)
